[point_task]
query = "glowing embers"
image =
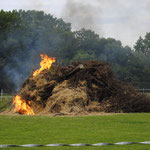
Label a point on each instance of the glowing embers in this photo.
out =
(46, 63)
(22, 107)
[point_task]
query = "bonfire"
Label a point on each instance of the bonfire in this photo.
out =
(80, 88)
(23, 107)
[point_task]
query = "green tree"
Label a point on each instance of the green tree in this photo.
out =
(140, 45)
(143, 45)
(8, 21)
(83, 56)
(87, 40)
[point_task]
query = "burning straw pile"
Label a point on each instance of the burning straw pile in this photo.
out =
(80, 88)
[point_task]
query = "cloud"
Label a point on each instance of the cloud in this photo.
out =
(48, 6)
(122, 19)
(127, 20)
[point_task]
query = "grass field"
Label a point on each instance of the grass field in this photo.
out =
(148, 94)
(85, 129)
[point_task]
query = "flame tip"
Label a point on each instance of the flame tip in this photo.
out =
(46, 63)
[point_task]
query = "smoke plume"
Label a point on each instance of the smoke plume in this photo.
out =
(82, 14)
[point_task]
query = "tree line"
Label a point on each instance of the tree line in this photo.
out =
(24, 35)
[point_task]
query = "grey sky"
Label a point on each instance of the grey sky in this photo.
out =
(124, 20)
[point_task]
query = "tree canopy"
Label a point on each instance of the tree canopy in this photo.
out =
(24, 35)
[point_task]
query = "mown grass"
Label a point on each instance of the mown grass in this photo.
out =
(148, 94)
(85, 129)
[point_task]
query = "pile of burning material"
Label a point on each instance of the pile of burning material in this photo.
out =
(80, 88)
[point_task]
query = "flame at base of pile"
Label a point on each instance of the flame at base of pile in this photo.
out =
(21, 106)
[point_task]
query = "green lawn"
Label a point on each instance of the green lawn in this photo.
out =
(148, 94)
(86, 129)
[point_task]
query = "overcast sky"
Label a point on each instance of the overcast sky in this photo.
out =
(123, 20)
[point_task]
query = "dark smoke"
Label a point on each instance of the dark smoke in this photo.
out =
(82, 14)
(19, 73)
(24, 62)
(23, 68)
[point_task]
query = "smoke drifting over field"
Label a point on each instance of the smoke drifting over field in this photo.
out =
(122, 20)
(82, 14)
(28, 47)
(118, 19)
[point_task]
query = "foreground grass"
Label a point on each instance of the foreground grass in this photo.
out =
(87, 129)
(148, 94)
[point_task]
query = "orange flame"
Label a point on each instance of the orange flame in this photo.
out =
(21, 106)
(45, 64)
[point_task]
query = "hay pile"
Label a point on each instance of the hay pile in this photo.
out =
(81, 88)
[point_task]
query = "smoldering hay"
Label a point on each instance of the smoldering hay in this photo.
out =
(80, 88)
